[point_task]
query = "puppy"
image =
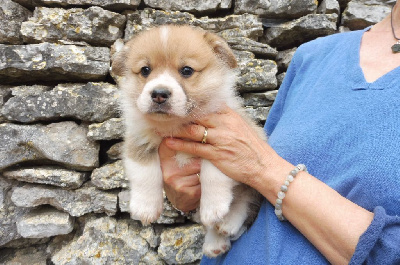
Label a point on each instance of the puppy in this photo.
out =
(170, 77)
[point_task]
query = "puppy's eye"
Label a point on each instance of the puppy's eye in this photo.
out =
(186, 71)
(145, 71)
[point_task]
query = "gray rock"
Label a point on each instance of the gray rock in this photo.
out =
(280, 78)
(111, 129)
(110, 176)
(329, 7)
(259, 114)
(115, 151)
(257, 75)
(9, 214)
(276, 8)
(246, 44)
(93, 102)
(51, 62)
(284, 58)
(5, 93)
(260, 99)
(95, 26)
(45, 222)
(63, 143)
(36, 255)
(207, 6)
(233, 26)
(104, 240)
(23, 91)
(117, 5)
(11, 16)
(86, 199)
(168, 216)
(182, 244)
(293, 33)
(361, 14)
(60, 177)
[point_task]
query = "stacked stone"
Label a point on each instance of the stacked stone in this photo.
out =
(63, 192)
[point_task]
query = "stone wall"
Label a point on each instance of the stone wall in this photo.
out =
(63, 194)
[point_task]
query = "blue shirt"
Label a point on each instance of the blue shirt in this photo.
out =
(347, 132)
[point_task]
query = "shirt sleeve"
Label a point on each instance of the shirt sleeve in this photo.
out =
(380, 243)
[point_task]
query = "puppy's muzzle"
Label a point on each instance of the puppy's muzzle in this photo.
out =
(160, 96)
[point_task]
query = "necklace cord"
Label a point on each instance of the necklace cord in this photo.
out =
(391, 24)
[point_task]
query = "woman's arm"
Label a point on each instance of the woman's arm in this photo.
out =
(332, 223)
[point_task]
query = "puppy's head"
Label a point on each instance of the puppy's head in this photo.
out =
(175, 72)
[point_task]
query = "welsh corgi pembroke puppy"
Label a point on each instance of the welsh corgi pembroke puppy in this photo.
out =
(171, 76)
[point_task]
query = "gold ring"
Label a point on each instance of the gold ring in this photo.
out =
(198, 175)
(204, 140)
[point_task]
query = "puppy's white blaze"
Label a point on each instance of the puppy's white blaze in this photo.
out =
(164, 36)
(177, 99)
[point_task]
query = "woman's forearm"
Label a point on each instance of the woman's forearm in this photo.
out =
(332, 223)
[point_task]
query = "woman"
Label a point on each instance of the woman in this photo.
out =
(338, 113)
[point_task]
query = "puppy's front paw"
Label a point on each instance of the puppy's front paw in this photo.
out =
(219, 245)
(147, 210)
(212, 214)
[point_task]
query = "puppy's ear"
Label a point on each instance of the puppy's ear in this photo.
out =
(221, 49)
(118, 65)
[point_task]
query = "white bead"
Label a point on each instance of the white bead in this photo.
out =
(281, 195)
(278, 212)
(290, 178)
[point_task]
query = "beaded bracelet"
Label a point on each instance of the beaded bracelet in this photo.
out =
(284, 189)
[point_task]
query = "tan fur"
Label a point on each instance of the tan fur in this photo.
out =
(166, 50)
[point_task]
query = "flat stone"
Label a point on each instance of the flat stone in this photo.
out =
(36, 255)
(104, 240)
(55, 176)
(112, 129)
(293, 33)
(45, 222)
(92, 102)
(257, 75)
(5, 94)
(329, 7)
(11, 16)
(182, 244)
(260, 49)
(115, 151)
(259, 114)
(168, 216)
(232, 26)
(9, 213)
(117, 5)
(110, 176)
(63, 143)
(284, 58)
(51, 62)
(361, 14)
(260, 99)
(86, 199)
(206, 6)
(276, 8)
(73, 25)
(34, 90)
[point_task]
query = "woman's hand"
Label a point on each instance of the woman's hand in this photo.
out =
(232, 145)
(181, 185)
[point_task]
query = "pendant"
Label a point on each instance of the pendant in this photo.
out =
(396, 47)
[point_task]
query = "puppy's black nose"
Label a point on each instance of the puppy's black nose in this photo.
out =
(160, 95)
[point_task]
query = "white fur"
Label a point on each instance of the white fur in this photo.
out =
(164, 36)
(166, 81)
(216, 194)
(146, 190)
